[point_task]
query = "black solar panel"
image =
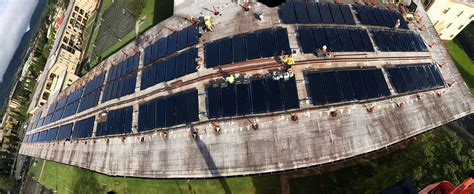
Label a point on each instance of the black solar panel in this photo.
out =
(306, 40)
(347, 14)
(170, 111)
(182, 39)
(319, 38)
(346, 85)
(282, 42)
(415, 78)
(346, 41)
(181, 64)
(287, 13)
(301, 13)
(191, 63)
(172, 42)
(290, 94)
(225, 51)
(313, 13)
(170, 68)
(370, 83)
(160, 114)
(180, 108)
(163, 47)
(192, 106)
(228, 101)
(358, 85)
(259, 96)
(326, 15)
(253, 46)
(333, 39)
(193, 35)
(381, 83)
(267, 41)
(336, 14)
(275, 101)
(331, 87)
(316, 89)
(213, 102)
(83, 128)
(238, 48)
(211, 54)
(244, 105)
(362, 15)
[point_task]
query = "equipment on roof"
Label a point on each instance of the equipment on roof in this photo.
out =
(208, 22)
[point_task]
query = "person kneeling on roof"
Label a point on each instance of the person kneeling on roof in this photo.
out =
(288, 61)
(208, 23)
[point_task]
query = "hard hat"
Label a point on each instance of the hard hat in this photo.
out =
(325, 47)
(207, 17)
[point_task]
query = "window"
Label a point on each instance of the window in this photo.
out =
(451, 36)
(435, 23)
(472, 16)
(76, 8)
(446, 10)
(460, 13)
(449, 25)
(460, 27)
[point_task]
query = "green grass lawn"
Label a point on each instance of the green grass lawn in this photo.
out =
(463, 63)
(155, 12)
(69, 179)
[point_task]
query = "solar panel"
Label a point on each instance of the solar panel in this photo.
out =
(154, 52)
(259, 96)
(386, 17)
(147, 55)
(346, 41)
(423, 77)
(163, 47)
(267, 41)
(211, 53)
(301, 13)
(181, 65)
(331, 87)
(378, 17)
(180, 108)
(397, 80)
(281, 40)
(228, 100)
(290, 94)
(313, 12)
(325, 12)
(160, 72)
(253, 46)
(287, 13)
(347, 14)
(358, 85)
(380, 40)
(160, 113)
(238, 48)
(170, 111)
(336, 14)
(192, 106)
(436, 75)
(170, 68)
(381, 83)
(316, 89)
(370, 15)
(345, 84)
(431, 78)
(213, 102)
(182, 39)
(370, 83)
(319, 38)
(415, 77)
(306, 40)
(142, 118)
(362, 15)
(407, 79)
(356, 40)
(333, 39)
(191, 63)
(193, 35)
(172, 42)
(225, 51)
(243, 99)
(275, 101)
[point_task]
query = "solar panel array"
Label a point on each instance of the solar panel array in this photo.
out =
(398, 41)
(413, 78)
(345, 85)
(379, 17)
(169, 68)
(168, 111)
(121, 79)
(256, 96)
(118, 122)
(305, 13)
(83, 128)
(336, 39)
(56, 133)
(64, 132)
(248, 46)
(177, 41)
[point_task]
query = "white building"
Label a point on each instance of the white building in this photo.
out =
(450, 16)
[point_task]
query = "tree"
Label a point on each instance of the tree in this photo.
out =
(136, 7)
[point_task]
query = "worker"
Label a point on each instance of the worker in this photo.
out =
(397, 24)
(230, 79)
(287, 62)
(208, 22)
(325, 52)
(259, 16)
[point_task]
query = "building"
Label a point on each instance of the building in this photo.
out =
(65, 61)
(450, 16)
(164, 106)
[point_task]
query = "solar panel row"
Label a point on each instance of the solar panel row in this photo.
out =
(379, 17)
(177, 41)
(89, 101)
(118, 122)
(345, 85)
(57, 133)
(305, 13)
(168, 111)
(257, 96)
(120, 87)
(312, 39)
(83, 128)
(398, 41)
(248, 46)
(170, 68)
(413, 78)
